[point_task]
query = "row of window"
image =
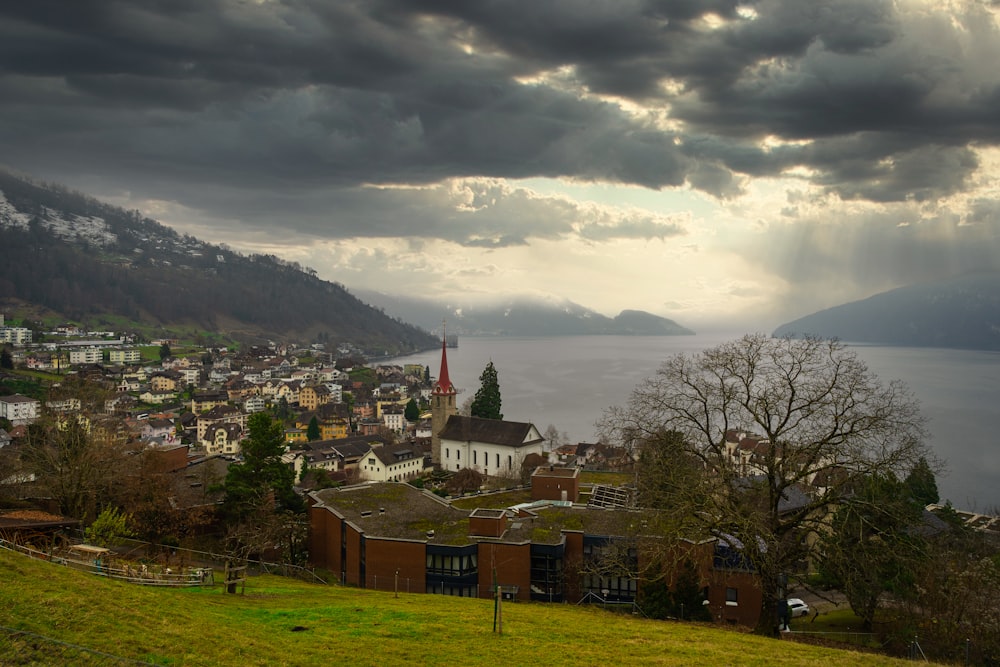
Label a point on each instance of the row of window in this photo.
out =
(454, 566)
(476, 457)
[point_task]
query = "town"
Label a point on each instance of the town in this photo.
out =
(379, 479)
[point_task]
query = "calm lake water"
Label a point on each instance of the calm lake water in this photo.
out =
(568, 381)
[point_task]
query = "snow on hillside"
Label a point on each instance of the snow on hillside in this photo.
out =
(91, 230)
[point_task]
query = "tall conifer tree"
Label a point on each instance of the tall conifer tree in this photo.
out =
(486, 404)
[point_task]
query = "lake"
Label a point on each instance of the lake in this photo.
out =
(568, 381)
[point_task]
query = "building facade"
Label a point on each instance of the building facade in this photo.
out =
(395, 537)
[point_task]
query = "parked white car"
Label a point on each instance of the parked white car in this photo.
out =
(797, 607)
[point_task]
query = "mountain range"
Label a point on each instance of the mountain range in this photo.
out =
(523, 316)
(958, 312)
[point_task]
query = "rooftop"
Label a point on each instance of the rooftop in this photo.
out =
(399, 511)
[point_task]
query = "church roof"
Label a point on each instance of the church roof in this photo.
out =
(443, 384)
(492, 431)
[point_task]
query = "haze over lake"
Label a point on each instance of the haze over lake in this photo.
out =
(568, 381)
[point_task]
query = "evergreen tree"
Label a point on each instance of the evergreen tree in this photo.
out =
(164, 351)
(921, 484)
(872, 546)
(6, 359)
(687, 596)
(312, 431)
(262, 480)
(412, 411)
(486, 403)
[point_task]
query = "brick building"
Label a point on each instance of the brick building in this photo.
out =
(391, 536)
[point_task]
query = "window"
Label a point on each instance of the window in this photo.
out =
(458, 455)
(732, 597)
(498, 461)
(447, 453)
(474, 457)
(371, 462)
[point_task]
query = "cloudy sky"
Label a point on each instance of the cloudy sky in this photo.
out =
(714, 162)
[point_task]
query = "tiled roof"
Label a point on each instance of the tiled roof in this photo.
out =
(493, 431)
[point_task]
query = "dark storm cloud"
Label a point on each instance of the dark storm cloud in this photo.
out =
(280, 102)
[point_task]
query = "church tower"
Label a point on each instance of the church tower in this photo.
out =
(443, 402)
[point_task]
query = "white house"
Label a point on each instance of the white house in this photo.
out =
(394, 418)
(20, 410)
(336, 392)
(392, 463)
(254, 404)
(491, 446)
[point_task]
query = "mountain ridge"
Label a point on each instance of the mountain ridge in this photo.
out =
(960, 312)
(523, 316)
(87, 260)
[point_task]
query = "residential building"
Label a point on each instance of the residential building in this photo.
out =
(223, 438)
(393, 416)
(14, 335)
(336, 391)
(157, 397)
(165, 381)
(254, 404)
(64, 405)
(220, 414)
(129, 355)
(392, 463)
(203, 401)
(20, 410)
(312, 397)
(87, 355)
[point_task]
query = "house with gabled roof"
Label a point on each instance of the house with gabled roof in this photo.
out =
(220, 414)
(289, 391)
(392, 463)
(311, 397)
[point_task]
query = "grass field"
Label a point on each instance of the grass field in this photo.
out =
(285, 622)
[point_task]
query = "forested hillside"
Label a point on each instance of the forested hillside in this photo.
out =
(80, 257)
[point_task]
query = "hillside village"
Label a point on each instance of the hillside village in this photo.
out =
(349, 423)
(402, 488)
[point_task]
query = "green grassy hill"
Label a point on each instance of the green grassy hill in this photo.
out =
(285, 622)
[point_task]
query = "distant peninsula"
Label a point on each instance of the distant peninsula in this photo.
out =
(962, 312)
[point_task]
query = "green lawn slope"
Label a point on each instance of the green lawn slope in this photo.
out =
(285, 622)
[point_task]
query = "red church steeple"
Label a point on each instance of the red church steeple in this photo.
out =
(443, 401)
(443, 384)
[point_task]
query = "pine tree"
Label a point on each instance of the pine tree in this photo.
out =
(486, 403)
(921, 483)
(411, 411)
(262, 480)
(312, 431)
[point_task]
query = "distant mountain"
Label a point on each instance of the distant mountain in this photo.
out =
(90, 262)
(523, 317)
(961, 312)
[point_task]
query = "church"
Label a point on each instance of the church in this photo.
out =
(493, 447)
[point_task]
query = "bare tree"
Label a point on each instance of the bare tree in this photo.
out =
(814, 407)
(75, 459)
